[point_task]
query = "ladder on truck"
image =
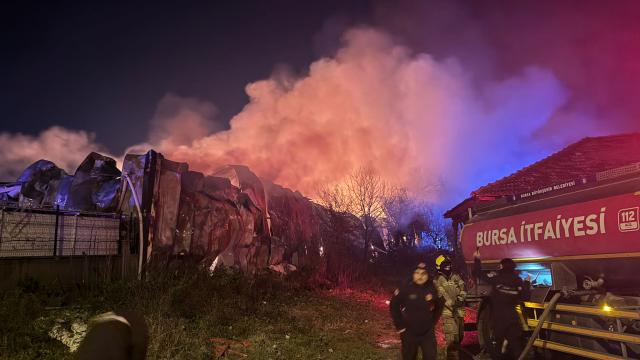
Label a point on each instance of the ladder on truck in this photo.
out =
(588, 331)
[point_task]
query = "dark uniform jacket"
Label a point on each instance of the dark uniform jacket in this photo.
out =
(416, 308)
(507, 291)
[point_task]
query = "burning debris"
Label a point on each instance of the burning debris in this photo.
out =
(231, 218)
(93, 187)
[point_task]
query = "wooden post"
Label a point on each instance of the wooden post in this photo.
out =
(1, 226)
(55, 232)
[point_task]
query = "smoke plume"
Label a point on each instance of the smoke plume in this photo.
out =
(445, 95)
(416, 120)
(66, 148)
(591, 48)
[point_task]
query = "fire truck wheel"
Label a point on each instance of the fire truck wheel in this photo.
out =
(587, 283)
(485, 334)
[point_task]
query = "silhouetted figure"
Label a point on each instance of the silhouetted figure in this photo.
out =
(508, 290)
(115, 336)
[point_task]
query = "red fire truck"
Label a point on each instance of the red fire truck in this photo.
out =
(572, 222)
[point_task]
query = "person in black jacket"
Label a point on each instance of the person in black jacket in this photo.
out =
(508, 290)
(415, 310)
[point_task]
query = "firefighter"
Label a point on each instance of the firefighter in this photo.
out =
(508, 290)
(415, 309)
(451, 288)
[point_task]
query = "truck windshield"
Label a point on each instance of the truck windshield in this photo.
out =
(540, 273)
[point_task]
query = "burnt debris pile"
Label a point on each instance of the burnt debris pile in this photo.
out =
(93, 187)
(228, 218)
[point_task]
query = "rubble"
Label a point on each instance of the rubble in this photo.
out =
(93, 187)
(39, 184)
(226, 348)
(69, 326)
(9, 191)
(71, 337)
(229, 218)
(283, 268)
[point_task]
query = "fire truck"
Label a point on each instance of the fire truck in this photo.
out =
(572, 224)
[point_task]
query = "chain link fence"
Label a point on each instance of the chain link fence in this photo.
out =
(52, 232)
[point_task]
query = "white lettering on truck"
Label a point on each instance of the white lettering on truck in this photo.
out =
(560, 228)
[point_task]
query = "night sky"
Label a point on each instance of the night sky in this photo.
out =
(460, 92)
(103, 66)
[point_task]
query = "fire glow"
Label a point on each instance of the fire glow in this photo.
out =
(375, 103)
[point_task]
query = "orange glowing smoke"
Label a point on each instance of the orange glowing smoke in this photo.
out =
(377, 104)
(415, 120)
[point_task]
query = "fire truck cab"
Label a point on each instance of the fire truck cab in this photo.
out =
(571, 222)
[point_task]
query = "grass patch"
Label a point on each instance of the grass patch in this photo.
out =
(189, 312)
(323, 326)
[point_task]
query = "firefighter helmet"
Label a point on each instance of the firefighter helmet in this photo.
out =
(442, 261)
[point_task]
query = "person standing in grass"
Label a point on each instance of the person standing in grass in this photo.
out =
(415, 310)
(452, 289)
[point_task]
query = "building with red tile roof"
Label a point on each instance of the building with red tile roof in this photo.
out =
(586, 162)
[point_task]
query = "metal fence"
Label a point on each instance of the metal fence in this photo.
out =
(51, 232)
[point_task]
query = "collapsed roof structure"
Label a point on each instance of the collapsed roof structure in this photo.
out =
(230, 217)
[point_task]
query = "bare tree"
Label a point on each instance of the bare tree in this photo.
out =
(335, 198)
(368, 192)
(398, 207)
(342, 231)
(395, 206)
(363, 194)
(436, 228)
(407, 220)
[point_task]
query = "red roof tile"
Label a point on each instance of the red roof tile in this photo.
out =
(582, 159)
